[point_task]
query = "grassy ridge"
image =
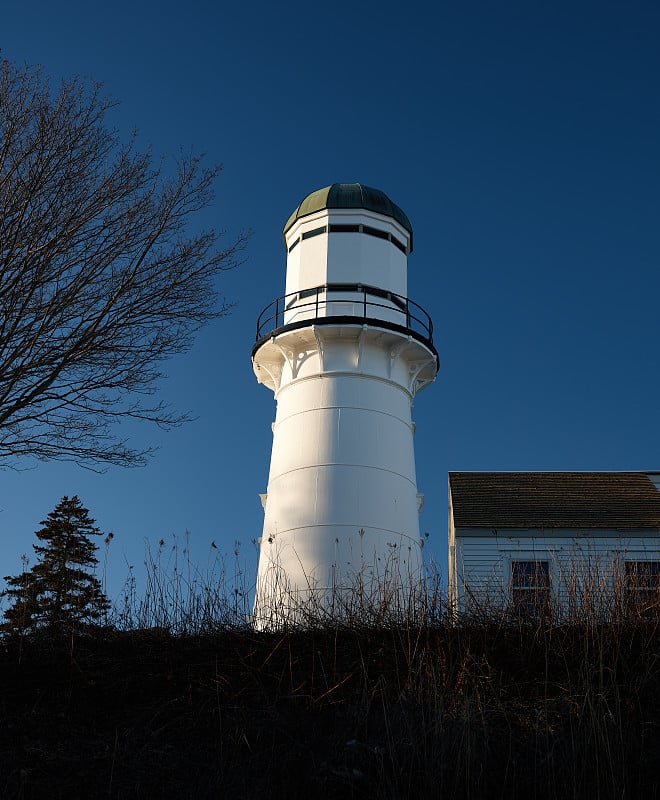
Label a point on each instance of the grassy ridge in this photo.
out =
(478, 710)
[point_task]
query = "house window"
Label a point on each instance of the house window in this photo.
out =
(643, 587)
(530, 588)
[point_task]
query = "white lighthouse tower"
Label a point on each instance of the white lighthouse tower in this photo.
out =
(345, 352)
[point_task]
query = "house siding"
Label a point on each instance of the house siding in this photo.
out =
(586, 525)
(586, 567)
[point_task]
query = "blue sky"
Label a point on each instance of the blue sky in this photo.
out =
(520, 138)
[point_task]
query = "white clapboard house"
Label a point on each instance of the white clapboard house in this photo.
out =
(563, 543)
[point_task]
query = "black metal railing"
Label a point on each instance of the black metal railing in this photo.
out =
(348, 301)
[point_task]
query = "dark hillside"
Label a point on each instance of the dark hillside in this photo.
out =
(469, 712)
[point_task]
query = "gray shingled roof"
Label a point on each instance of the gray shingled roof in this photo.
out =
(555, 499)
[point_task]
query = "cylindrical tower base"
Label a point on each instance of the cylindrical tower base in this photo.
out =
(341, 528)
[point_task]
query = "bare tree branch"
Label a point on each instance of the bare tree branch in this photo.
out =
(100, 281)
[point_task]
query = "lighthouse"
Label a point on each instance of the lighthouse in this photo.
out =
(345, 351)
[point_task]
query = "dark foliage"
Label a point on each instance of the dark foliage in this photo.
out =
(437, 712)
(60, 590)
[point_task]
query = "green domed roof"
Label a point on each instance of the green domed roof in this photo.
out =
(349, 195)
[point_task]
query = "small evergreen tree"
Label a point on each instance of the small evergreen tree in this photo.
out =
(60, 590)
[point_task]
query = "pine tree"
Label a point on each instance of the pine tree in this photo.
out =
(19, 616)
(60, 590)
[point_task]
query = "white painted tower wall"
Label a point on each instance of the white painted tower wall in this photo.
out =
(341, 509)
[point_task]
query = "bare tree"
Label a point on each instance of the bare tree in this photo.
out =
(99, 279)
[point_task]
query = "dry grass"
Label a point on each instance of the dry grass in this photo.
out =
(188, 700)
(182, 598)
